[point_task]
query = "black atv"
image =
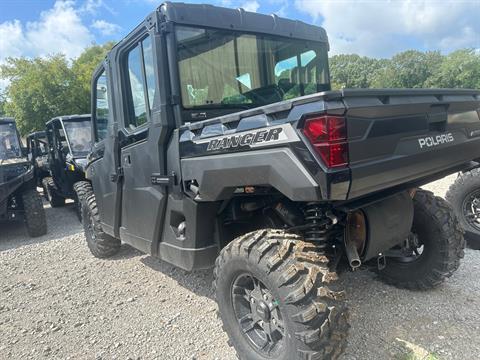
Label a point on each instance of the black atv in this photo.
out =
(218, 143)
(464, 196)
(18, 196)
(69, 142)
(37, 150)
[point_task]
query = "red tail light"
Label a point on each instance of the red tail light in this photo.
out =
(328, 135)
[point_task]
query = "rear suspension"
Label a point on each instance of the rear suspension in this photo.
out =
(319, 226)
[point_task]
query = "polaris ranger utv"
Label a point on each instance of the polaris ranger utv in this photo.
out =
(18, 195)
(37, 150)
(218, 143)
(69, 142)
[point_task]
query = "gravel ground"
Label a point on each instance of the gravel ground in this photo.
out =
(58, 301)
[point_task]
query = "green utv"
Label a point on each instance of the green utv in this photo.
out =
(217, 142)
(69, 142)
(18, 195)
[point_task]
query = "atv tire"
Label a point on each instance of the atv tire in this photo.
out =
(53, 197)
(34, 214)
(299, 292)
(81, 188)
(101, 244)
(439, 232)
(460, 195)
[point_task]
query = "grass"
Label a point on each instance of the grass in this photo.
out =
(414, 352)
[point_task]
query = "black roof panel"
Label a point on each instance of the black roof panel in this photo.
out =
(239, 19)
(71, 117)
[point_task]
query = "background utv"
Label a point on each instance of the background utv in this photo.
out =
(18, 195)
(218, 143)
(69, 142)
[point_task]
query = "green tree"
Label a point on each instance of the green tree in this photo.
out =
(408, 69)
(39, 89)
(42, 88)
(459, 69)
(83, 68)
(353, 71)
(3, 101)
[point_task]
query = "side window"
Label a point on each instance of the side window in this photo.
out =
(101, 108)
(137, 93)
(141, 83)
(149, 73)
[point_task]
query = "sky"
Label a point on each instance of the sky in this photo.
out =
(377, 28)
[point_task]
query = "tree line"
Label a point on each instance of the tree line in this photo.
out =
(41, 88)
(408, 69)
(44, 87)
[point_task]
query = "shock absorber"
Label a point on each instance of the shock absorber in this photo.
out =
(318, 225)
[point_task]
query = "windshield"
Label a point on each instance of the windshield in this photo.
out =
(9, 144)
(221, 68)
(79, 136)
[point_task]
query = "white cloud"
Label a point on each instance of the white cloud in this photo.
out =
(11, 39)
(91, 6)
(382, 28)
(250, 5)
(59, 30)
(105, 27)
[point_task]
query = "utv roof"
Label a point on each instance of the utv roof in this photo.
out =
(70, 117)
(7, 120)
(204, 15)
(239, 19)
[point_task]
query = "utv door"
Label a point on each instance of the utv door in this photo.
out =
(105, 179)
(142, 147)
(58, 152)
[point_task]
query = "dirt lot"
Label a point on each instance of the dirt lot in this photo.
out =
(57, 301)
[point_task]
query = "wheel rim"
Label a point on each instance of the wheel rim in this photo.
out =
(471, 209)
(258, 315)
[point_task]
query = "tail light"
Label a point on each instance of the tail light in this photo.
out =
(328, 135)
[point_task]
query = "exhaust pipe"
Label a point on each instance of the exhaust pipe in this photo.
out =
(355, 237)
(352, 254)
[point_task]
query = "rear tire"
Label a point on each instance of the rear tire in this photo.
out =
(439, 232)
(34, 214)
(460, 195)
(298, 289)
(101, 244)
(53, 197)
(81, 188)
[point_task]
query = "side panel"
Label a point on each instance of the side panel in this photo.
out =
(218, 176)
(142, 203)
